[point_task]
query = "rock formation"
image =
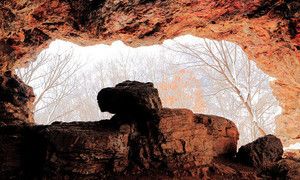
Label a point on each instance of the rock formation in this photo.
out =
(130, 98)
(268, 30)
(16, 100)
(158, 143)
(176, 141)
(262, 152)
(287, 168)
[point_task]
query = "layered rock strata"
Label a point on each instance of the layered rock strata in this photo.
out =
(159, 143)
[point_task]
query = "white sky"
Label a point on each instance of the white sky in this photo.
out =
(100, 52)
(293, 146)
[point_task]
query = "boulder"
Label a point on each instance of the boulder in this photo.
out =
(193, 140)
(288, 168)
(262, 152)
(130, 98)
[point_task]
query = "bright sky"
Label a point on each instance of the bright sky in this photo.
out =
(293, 146)
(100, 52)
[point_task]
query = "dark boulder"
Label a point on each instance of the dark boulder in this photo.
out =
(130, 98)
(288, 168)
(262, 152)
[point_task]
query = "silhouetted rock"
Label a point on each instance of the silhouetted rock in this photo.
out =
(130, 98)
(16, 100)
(286, 168)
(176, 143)
(262, 152)
(141, 140)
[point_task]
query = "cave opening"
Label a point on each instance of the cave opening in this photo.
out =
(268, 31)
(206, 76)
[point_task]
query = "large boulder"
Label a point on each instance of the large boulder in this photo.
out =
(262, 152)
(194, 140)
(130, 98)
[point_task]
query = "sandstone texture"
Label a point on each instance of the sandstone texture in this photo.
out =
(63, 151)
(104, 150)
(268, 30)
(167, 144)
(191, 141)
(85, 149)
(175, 140)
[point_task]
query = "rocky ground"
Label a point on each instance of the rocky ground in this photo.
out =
(142, 140)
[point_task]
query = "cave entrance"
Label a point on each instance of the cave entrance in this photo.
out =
(206, 76)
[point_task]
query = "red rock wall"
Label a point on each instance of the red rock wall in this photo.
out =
(192, 141)
(179, 143)
(267, 30)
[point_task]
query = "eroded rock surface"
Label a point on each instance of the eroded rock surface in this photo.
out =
(194, 140)
(81, 150)
(176, 141)
(262, 152)
(181, 146)
(16, 100)
(169, 143)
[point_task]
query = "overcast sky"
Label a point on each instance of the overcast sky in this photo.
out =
(96, 53)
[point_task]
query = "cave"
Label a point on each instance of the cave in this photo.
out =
(268, 31)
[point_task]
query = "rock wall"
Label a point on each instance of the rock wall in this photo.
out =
(16, 100)
(268, 30)
(182, 145)
(192, 141)
(142, 140)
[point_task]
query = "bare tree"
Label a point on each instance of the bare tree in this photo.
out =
(177, 88)
(233, 73)
(53, 78)
(182, 89)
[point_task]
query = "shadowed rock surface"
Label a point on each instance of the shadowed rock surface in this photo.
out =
(16, 100)
(130, 98)
(262, 152)
(176, 144)
(171, 143)
(288, 168)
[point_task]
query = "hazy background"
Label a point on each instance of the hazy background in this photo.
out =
(205, 76)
